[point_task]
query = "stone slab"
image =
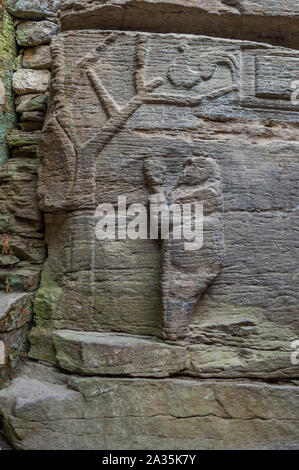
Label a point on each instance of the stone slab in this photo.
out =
(263, 20)
(90, 353)
(27, 81)
(43, 410)
(32, 9)
(35, 33)
(195, 118)
(37, 58)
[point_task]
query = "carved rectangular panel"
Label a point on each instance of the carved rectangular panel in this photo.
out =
(267, 77)
(184, 118)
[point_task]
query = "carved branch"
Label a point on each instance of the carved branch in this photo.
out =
(105, 98)
(93, 56)
(118, 116)
(192, 101)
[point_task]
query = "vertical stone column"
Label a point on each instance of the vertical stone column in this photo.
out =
(7, 60)
(25, 59)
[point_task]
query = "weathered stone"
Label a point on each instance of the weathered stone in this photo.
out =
(19, 188)
(165, 141)
(22, 278)
(28, 249)
(4, 445)
(233, 362)
(160, 118)
(263, 20)
(15, 310)
(35, 116)
(37, 58)
(18, 200)
(32, 33)
(27, 151)
(89, 353)
(7, 57)
(15, 350)
(8, 260)
(31, 102)
(17, 139)
(125, 413)
(15, 313)
(31, 125)
(42, 346)
(32, 9)
(31, 81)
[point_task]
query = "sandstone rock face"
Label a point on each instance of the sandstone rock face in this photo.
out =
(8, 54)
(146, 343)
(15, 310)
(15, 313)
(263, 20)
(22, 249)
(125, 413)
(89, 353)
(248, 187)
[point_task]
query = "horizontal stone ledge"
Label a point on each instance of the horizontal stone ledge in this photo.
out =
(92, 353)
(266, 21)
(46, 409)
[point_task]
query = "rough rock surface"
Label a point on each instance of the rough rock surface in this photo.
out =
(90, 353)
(4, 445)
(37, 58)
(15, 313)
(33, 33)
(233, 294)
(31, 102)
(126, 413)
(172, 118)
(22, 249)
(32, 9)
(36, 116)
(264, 20)
(31, 81)
(15, 310)
(8, 54)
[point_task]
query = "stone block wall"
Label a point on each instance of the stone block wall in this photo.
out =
(25, 68)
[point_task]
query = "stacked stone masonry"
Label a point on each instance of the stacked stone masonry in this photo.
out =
(174, 350)
(22, 249)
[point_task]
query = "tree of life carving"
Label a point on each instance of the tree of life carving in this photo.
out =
(80, 158)
(117, 116)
